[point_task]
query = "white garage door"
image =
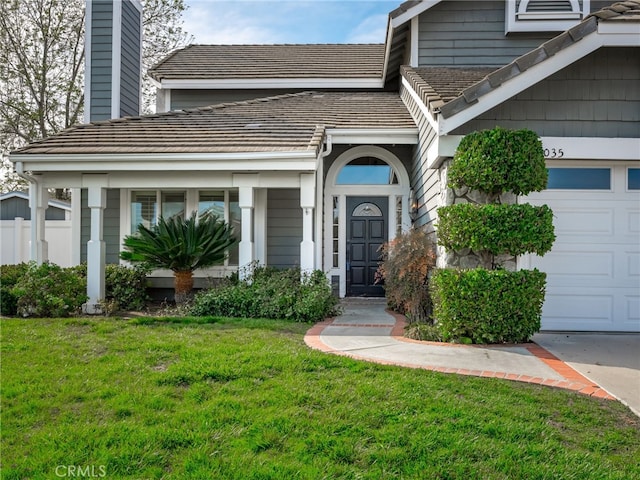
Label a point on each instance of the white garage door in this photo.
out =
(593, 270)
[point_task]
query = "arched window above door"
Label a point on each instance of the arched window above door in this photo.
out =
(367, 171)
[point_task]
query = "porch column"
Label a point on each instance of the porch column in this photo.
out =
(246, 251)
(307, 203)
(38, 201)
(96, 251)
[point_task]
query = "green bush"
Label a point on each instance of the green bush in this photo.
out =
(488, 306)
(49, 290)
(405, 268)
(499, 160)
(9, 276)
(127, 286)
(270, 293)
(498, 229)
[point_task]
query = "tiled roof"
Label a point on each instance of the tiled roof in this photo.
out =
(294, 122)
(467, 85)
(213, 62)
(438, 85)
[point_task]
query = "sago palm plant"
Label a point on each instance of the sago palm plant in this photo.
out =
(181, 245)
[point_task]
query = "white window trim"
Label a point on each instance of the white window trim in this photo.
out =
(191, 204)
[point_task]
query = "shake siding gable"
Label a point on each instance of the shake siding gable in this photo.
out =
(101, 56)
(598, 96)
(470, 34)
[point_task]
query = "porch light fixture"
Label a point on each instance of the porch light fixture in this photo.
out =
(413, 205)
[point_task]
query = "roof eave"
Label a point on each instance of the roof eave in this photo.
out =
(252, 83)
(304, 160)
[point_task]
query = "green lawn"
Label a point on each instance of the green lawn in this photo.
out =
(246, 399)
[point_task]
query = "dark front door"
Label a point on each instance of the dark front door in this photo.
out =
(366, 232)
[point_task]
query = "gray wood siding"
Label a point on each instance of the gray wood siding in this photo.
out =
(111, 232)
(284, 228)
(470, 33)
(101, 55)
(10, 208)
(597, 96)
(130, 61)
(185, 99)
(425, 182)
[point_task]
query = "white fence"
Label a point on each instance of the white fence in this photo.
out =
(15, 240)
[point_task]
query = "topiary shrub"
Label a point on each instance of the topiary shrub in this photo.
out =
(407, 262)
(488, 306)
(48, 290)
(499, 160)
(270, 293)
(9, 276)
(498, 229)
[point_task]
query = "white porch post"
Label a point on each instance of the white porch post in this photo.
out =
(246, 251)
(307, 203)
(38, 202)
(96, 251)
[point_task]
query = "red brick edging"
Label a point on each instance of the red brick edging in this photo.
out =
(572, 379)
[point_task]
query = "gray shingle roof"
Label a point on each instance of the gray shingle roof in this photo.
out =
(452, 90)
(214, 62)
(294, 122)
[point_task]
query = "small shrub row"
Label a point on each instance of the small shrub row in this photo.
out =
(488, 306)
(407, 262)
(270, 293)
(512, 229)
(49, 290)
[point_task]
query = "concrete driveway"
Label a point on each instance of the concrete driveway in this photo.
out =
(610, 360)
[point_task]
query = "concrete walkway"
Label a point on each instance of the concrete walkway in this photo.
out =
(366, 331)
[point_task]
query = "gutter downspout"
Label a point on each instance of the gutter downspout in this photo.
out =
(320, 200)
(38, 247)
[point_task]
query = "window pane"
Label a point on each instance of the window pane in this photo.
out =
(633, 179)
(211, 202)
(172, 204)
(235, 218)
(143, 209)
(579, 178)
(367, 171)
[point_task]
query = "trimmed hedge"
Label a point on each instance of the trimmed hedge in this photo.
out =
(498, 229)
(488, 306)
(499, 160)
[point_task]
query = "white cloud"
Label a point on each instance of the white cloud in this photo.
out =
(370, 30)
(226, 23)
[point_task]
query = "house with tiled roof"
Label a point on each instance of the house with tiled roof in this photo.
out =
(318, 154)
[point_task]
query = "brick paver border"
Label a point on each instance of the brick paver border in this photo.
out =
(572, 380)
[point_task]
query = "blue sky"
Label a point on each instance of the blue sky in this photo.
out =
(283, 21)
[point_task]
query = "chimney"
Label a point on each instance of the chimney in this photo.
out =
(113, 59)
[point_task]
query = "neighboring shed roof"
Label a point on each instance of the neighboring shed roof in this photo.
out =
(429, 82)
(294, 122)
(216, 62)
